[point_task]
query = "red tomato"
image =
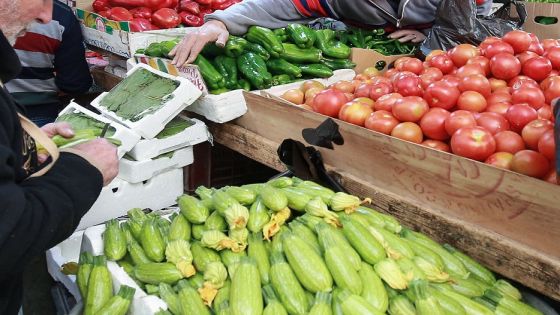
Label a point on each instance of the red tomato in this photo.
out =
(366, 101)
(477, 83)
(549, 43)
(552, 90)
(522, 81)
(495, 84)
(329, 102)
(462, 53)
(413, 65)
(473, 142)
(378, 79)
(482, 61)
(386, 102)
(519, 40)
(533, 131)
(166, 18)
(553, 54)
(378, 90)
(471, 69)
(433, 124)
(498, 47)
(498, 108)
(434, 53)
(499, 97)
(344, 86)
(355, 113)
(520, 115)
(505, 66)
(537, 68)
(441, 94)
(536, 46)
(443, 63)
(530, 95)
(459, 119)
(451, 80)
(436, 145)
(472, 101)
(500, 159)
(545, 112)
(381, 121)
(409, 85)
(399, 63)
(363, 90)
(551, 176)
(488, 41)
(509, 141)
(530, 163)
(492, 122)
(362, 77)
(524, 57)
(349, 96)
(408, 131)
(547, 145)
(429, 76)
(389, 73)
(410, 108)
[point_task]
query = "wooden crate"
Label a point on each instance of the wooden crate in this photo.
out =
(508, 221)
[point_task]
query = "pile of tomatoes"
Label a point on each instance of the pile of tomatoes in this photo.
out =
(490, 103)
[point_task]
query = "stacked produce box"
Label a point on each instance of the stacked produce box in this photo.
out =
(285, 247)
(141, 116)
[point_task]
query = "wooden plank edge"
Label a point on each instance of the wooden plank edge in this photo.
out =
(502, 255)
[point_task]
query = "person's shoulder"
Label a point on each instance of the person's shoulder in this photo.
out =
(63, 13)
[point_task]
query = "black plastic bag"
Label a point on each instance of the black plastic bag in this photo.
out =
(457, 23)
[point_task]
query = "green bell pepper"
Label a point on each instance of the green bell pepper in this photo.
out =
(166, 47)
(227, 67)
(258, 49)
(281, 79)
(154, 50)
(301, 35)
(281, 34)
(331, 48)
(266, 38)
(235, 46)
(281, 66)
(316, 70)
(213, 79)
(336, 64)
(244, 85)
(293, 53)
(254, 69)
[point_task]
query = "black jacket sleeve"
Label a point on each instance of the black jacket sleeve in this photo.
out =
(38, 213)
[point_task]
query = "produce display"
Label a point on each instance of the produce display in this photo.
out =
(292, 247)
(96, 287)
(147, 15)
(377, 40)
(490, 103)
(263, 58)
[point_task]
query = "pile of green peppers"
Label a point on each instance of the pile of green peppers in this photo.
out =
(263, 58)
(375, 39)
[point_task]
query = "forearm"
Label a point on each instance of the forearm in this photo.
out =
(266, 13)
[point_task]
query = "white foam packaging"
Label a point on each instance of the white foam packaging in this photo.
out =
(220, 108)
(151, 124)
(139, 171)
(127, 137)
(65, 252)
(150, 148)
(119, 196)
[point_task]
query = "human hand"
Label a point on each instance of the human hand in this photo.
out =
(63, 128)
(408, 36)
(103, 155)
(192, 44)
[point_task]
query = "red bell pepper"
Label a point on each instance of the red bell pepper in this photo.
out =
(205, 2)
(140, 25)
(100, 5)
(128, 4)
(189, 19)
(120, 14)
(104, 14)
(166, 18)
(205, 10)
(160, 4)
(142, 12)
(221, 4)
(189, 6)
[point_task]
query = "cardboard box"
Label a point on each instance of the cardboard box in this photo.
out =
(150, 148)
(116, 37)
(537, 10)
(151, 124)
(139, 171)
(120, 196)
(364, 58)
(127, 137)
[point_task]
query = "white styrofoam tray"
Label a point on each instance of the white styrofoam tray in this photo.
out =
(139, 171)
(127, 137)
(150, 148)
(120, 196)
(65, 252)
(150, 125)
(220, 108)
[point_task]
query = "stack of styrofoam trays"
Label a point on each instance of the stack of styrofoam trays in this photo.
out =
(149, 125)
(119, 196)
(127, 137)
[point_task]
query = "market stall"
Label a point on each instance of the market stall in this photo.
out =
(294, 246)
